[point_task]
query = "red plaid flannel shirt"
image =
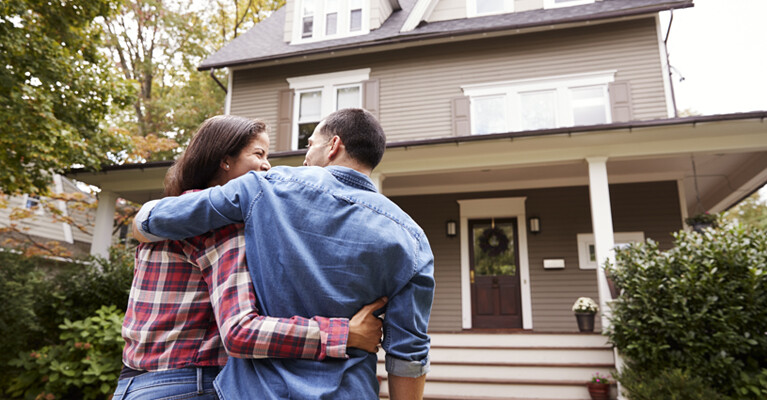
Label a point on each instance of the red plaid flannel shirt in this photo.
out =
(192, 302)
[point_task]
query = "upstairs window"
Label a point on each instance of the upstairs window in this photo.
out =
(540, 103)
(478, 8)
(319, 95)
(564, 3)
(334, 19)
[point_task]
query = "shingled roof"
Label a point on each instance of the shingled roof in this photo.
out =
(265, 41)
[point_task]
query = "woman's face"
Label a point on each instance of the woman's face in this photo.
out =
(253, 157)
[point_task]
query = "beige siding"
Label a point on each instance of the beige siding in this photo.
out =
(446, 10)
(417, 85)
(565, 212)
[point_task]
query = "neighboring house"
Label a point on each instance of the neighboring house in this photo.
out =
(538, 132)
(50, 223)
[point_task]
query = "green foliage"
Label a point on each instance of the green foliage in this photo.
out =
(84, 365)
(667, 384)
(751, 213)
(700, 307)
(55, 91)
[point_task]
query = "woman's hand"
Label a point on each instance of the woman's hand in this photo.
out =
(365, 329)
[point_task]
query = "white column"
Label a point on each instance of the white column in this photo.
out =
(105, 216)
(602, 222)
(378, 179)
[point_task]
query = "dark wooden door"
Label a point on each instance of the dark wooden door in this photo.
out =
(494, 273)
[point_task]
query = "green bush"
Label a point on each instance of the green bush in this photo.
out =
(667, 384)
(700, 308)
(84, 365)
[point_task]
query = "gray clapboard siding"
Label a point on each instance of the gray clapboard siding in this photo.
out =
(417, 85)
(565, 212)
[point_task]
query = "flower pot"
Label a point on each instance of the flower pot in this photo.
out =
(585, 321)
(599, 391)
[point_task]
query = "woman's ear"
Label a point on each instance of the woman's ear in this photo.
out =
(225, 164)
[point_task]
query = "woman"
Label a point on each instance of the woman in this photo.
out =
(192, 302)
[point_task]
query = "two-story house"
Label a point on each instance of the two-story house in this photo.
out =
(527, 137)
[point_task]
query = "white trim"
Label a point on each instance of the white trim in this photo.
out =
(665, 68)
(326, 84)
(65, 227)
(229, 86)
(318, 25)
(602, 225)
(561, 86)
(513, 207)
(417, 15)
(586, 240)
(102, 231)
(552, 4)
(471, 9)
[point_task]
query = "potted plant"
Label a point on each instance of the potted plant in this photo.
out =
(702, 221)
(585, 308)
(599, 387)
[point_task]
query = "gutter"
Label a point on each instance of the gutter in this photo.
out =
(417, 39)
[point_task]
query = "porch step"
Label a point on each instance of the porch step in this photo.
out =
(512, 366)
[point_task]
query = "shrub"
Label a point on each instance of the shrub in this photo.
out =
(700, 308)
(667, 384)
(85, 365)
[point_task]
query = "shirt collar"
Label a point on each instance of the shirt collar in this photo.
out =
(352, 178)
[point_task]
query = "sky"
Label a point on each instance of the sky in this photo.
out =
(720, 48)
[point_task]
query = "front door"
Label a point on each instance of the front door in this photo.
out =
(494, 274)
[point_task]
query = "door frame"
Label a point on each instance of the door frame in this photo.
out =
(503, 207)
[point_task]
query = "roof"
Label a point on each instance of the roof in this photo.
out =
(265, 41)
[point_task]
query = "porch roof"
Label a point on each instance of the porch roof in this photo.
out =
(730, 151)
(265, 41)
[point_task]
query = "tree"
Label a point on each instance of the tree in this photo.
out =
(751, 212)
(55, 91)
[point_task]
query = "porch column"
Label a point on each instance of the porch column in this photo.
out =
(378, 179)
(602, 224)
(105, 216)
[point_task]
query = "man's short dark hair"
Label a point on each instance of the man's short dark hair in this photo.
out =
(360, 133)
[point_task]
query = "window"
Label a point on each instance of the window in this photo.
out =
(319, 95)
(587, 253)
(32, 202)
(478, 8)
(540, 103)
(564, 3)
(335, 19)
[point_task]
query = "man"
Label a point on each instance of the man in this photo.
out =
(321, 241)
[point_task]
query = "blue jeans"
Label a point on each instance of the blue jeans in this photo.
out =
(184, 383)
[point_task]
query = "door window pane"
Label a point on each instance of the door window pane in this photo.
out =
(494, 249)
(348, 97)
(538, 109)
(589, 105)
(489, 6)
(489, 113)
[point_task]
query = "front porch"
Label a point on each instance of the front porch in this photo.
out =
(520, 365)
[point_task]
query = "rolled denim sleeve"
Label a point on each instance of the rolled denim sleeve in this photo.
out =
(406, 341)
(193, 214)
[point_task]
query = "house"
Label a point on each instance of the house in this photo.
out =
(50, 226)
(527, 137)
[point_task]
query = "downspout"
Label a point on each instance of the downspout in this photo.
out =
(668, 63)
(221, 85)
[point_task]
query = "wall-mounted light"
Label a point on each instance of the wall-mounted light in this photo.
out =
(535, 225)
(450, 228)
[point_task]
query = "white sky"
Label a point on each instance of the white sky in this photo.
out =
(720, 48)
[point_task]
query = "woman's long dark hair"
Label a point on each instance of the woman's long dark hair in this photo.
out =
(217, 137)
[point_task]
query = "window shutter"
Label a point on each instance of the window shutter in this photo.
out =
(284, 120)
(371, 97)
(620, 101)
(461, 116)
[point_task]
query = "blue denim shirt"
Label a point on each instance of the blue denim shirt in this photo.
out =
(319, 241)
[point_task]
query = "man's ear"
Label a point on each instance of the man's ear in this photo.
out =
(336, 147)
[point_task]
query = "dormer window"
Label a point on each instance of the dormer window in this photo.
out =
(564, 3)
(478, 8)
(330, 19)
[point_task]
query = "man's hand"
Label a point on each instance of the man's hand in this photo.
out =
(365, 329)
